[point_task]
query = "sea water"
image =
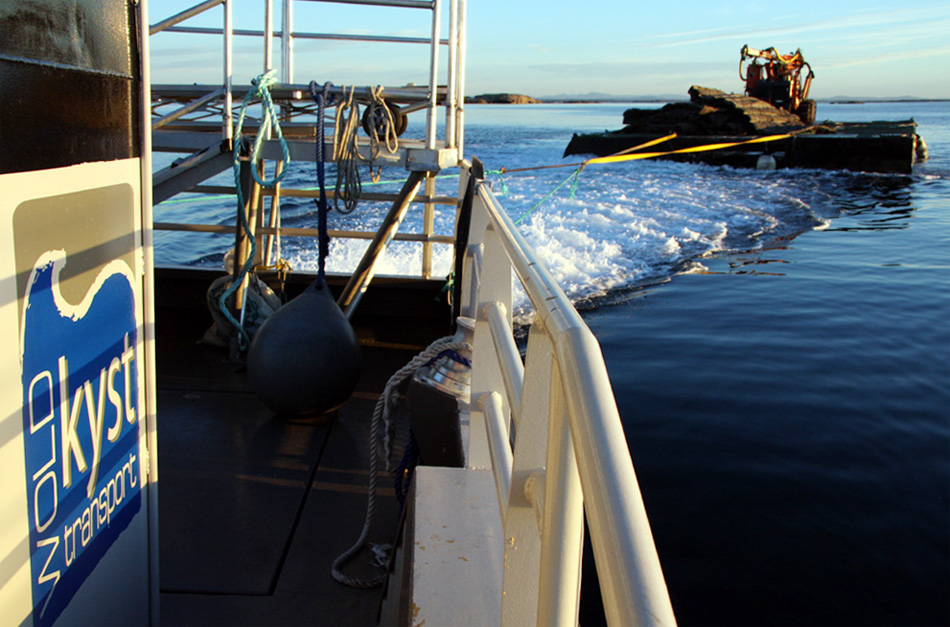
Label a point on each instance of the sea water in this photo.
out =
(778, 343)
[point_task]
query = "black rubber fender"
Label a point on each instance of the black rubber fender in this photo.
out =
(305, 359)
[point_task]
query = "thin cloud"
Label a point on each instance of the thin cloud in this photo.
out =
(890, 57)
(931, 18)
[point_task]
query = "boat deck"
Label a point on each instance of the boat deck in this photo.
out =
(255, 507)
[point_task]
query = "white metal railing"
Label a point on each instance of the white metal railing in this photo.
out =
(569, 451)
(452, 95)
(194, 105)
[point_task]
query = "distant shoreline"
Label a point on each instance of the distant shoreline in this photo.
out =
(883, 100)
(654, 99)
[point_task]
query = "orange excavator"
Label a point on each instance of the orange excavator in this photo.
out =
(777, 79)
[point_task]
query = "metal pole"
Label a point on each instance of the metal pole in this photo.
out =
(256, 216)
(268, 64)
(562, 535)
(148, 304)
(450, 94)
(188, 108)
(406, 4)
(242, 244)
(248, 32)
(428, 226)
(287, 43)
(184, 15)
(433, 76)
(274, 222)
(460, 97)
(361, 278)
(227, 132)
(268, 34)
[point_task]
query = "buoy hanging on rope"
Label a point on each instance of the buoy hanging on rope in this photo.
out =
(305, 359)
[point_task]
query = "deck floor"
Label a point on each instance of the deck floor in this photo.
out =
(253, 507)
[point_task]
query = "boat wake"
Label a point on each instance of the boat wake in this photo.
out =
(622, 226)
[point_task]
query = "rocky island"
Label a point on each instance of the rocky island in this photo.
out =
(501, 99)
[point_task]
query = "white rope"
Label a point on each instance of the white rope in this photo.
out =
(390, 137)
(346, 154)
(382, 414)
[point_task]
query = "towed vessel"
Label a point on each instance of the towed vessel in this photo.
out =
(188, 445)
(771, 125)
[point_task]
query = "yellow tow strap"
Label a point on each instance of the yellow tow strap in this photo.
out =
(647, 155)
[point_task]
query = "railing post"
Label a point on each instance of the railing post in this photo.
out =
(227, 130)
(274, 222)
(287, 43)
(460, 96)
(431, 120)
(268, 34)
(452, 85)
(477, 225)
(520, 587)
(631, 579)
(428, 226)
(486, 375)
(562, 534)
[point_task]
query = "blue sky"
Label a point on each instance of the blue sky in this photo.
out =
(541, 48)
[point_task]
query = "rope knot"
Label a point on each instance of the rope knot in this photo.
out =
(265, 80)
(270, 120)
(321, 94)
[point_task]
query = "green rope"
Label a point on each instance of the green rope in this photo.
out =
(573, 177)
(400, 181)
(270, 119)
(501, 178)
(180, 201)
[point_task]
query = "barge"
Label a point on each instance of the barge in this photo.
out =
(885, 147)
(716, 128)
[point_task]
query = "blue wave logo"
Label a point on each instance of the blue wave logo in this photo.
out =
(80, 415)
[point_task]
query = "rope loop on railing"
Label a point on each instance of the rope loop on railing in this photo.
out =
(269, 121)
(378, 106)
(346, 154)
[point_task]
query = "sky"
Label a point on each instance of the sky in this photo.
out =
(856, 48)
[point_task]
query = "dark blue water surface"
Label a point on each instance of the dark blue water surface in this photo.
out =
(789, 413)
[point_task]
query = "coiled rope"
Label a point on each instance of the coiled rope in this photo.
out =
(346, 155)
(379, 111)
(382, 419)
(378, 107)
(260, 89)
